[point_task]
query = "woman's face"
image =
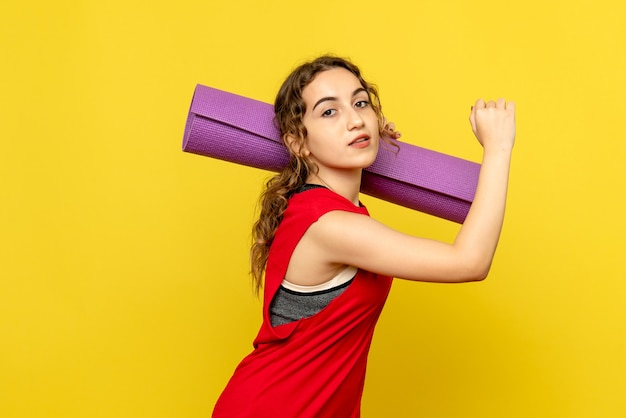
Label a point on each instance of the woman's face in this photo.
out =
(342, 127)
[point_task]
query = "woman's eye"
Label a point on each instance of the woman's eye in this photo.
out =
(362, 103)
(329, 112)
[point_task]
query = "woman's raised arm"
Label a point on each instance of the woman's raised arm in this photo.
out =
(347, 238)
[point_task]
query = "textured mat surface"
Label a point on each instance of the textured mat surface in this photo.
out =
(241, 130)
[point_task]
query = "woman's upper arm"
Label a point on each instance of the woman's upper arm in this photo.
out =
(358, 240)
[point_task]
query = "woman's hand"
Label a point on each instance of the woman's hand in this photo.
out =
(389, 131)
(493, 124)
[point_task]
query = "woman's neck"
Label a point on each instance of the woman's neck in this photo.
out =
(344, 183)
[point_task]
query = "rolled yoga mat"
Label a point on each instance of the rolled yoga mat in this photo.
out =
(241, 130)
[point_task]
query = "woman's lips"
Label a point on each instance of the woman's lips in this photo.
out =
(360, 141)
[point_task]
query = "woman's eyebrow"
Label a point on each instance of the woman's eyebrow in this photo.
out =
(331, 98)
(322, 100)
(359, 90)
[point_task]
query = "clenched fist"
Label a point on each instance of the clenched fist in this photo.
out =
(493, 124)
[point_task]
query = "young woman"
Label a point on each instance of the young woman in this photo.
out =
(327, 265)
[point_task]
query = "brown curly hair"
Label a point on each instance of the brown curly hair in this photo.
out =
(289, 109)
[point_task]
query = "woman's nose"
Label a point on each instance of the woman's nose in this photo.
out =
(355, 120)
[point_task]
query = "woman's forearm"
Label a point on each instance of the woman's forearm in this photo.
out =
(493, 123)
(477, 240)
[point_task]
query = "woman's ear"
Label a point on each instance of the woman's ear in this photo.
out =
(298, 147)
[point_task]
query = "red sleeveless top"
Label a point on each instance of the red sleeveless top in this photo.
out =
(314, 367)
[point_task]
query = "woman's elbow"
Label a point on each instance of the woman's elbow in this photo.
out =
(476, 271)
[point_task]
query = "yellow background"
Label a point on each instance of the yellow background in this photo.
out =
(123, 261)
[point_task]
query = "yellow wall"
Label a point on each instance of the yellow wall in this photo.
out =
(123, 261)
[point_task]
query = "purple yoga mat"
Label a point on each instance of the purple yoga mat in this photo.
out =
(241, 130)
